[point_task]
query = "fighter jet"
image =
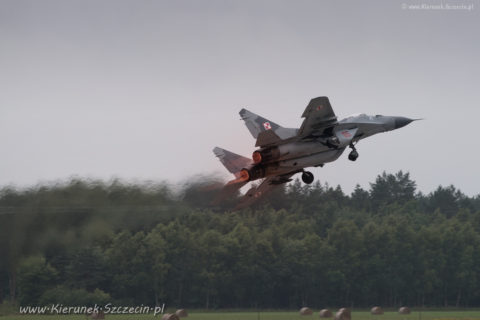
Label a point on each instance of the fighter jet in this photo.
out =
(283, 152)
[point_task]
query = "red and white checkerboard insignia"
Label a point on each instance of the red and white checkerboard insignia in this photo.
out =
(267, 125)
(346, 134)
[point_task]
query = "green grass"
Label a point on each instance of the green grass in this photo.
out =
(221, 315)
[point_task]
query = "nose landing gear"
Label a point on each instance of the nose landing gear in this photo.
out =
(353, 155)
(307, 177)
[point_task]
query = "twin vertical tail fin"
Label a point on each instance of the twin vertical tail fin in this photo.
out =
(265, 131)
(257, 124)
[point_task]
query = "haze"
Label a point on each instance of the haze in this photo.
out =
(146, 89)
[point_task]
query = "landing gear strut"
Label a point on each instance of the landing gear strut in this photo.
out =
(307, 177)
(353, 155)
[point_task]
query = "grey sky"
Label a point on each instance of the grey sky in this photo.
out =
(146, 89)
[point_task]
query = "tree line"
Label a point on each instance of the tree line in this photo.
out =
(86, 242)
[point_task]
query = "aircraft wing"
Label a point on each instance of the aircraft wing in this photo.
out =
(318, 116)
(267, 185)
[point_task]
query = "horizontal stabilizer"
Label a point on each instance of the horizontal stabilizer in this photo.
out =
(232, 161)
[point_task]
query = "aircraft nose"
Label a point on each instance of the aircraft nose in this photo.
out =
(401, 122)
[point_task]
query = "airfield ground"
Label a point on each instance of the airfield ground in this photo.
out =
(356, 315)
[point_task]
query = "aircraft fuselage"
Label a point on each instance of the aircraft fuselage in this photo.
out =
(283, 152)
(294, 156)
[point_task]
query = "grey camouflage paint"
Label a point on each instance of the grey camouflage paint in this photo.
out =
(286, 151)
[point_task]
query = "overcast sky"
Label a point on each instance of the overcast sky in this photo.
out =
(146, 89)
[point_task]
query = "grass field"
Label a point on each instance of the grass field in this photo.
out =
(220, 315)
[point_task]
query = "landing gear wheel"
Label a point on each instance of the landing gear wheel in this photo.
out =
(352, 156)
(307, 177)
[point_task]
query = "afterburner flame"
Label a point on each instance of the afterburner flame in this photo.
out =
(242, 176)
(256, 157)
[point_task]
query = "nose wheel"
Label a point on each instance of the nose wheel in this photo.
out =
(307, 177)
(353, 155)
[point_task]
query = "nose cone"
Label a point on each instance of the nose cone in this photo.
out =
(401, 122)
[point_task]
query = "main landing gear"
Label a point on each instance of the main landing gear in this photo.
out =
(353, 155)
(307, 177)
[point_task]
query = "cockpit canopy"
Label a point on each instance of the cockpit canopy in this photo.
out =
(361, 117)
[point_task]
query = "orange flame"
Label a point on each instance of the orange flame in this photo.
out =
(256, 157)
(242, 176)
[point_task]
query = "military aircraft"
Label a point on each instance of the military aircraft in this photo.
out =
(284, 152)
